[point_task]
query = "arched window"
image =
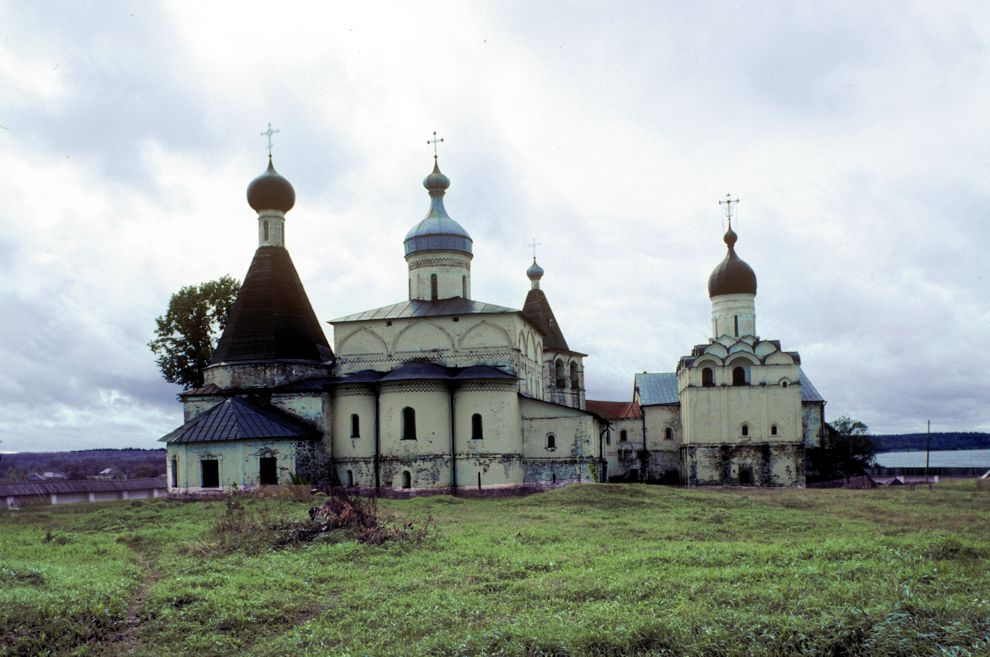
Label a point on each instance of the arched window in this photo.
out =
(745, 429)
(708, 377)
(623, 436)
(350, 478)
(551, 441)
(264, 225)
(476, 428)
(355, 426)
(406, 479)
(784, 384)
(738, 376)
(175, 472)
(575, 378)
(558, 367)
(408, 423)
(668, 434)
(464, 286)
(434, 293)
(773, 429)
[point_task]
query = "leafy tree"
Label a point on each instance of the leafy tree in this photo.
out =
(848, 453)
(188, 332)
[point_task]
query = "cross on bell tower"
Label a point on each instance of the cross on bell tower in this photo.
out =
(436, 140)
(533, 246)
(728, 202)
(268, 133)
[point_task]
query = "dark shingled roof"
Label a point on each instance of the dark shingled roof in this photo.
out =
(272, 319)
(421, 308)
(238, 418)
(79, 486)
(537, 310)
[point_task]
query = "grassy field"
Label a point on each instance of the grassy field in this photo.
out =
(586, 570)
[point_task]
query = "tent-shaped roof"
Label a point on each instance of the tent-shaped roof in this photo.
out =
(238, 418)
(537, 310)
(272, 318)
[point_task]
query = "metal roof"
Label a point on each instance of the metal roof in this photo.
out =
(428, 372)
(421, 308)
(238, 418)
(657, 388)
(79, 486)
(809, 393)
(615, 410)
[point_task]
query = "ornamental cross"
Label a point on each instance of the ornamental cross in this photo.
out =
(728, 206)
(533, 246)
(268, 133)
(435, 141)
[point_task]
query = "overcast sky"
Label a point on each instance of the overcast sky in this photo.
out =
(855, 135)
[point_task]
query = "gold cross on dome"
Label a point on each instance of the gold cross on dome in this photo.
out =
(728, 206)
(435, 141)
(533, 246)
(268, 133)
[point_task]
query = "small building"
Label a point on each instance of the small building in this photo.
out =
(40, 493)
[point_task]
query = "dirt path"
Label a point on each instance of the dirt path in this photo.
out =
(128, 640)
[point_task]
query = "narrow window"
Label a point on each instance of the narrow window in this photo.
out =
(668, 434)
(267, 471)
(745, 429)
(434, 294)
(575, 379)
(408, 424)
(553, 477)
(708, 377)
(464, 286)
(406, 479)
(551, 441)
(558, 367)
(784, 384)
(479, 481)
(410, 288)
(773, 429)
(623, 436)
(210, 473)
(350, 478)
(476, 428)
(355, 426)
(735, 320)
(175, 472)
(264, 225)
(738, 376)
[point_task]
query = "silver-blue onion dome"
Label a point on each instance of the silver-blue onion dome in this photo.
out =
(270, 191)
(437, 231)
(535, 272)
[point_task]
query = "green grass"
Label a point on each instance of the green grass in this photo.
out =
(586, 570)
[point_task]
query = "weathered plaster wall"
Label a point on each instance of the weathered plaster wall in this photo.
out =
(812, 417)
(453, 272)
(242, 376)
(239, 462)
(765, 464)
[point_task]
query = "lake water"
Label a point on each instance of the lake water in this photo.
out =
(962, 458)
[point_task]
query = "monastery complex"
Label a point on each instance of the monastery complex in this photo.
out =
(443, 393)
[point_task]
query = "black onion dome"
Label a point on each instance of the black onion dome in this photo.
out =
(270, 191)
(733, 275)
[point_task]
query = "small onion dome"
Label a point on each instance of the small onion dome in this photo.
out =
(535, 272)
(733, 275)
(270, 191)
(437, 231)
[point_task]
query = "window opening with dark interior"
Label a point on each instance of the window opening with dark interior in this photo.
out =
(355, 426)
(623, 436)
(210, 473)
(745, 475)
(668, 434)
(773, 429)
(464, 287)
(175, 472)
(264, 225)
(745, 429)
(738, 376)
(479, 481)
(406, 479)
(434, 293)
(408, 423)
(558, 367)
(735, 320)
(551, 441)
(708, 377)
(350, 478)
(267, 471)
(476, 428)
(575, 379)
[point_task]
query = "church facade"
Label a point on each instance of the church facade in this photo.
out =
(439, 392)
(444, 393)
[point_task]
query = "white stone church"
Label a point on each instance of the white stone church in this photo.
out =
(442, 393)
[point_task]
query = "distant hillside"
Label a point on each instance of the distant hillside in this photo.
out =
(946, 440)
(126, 463)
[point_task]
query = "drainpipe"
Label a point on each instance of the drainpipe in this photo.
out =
(453, 444)
(601, 453)
(644, 463)
(378, 418)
